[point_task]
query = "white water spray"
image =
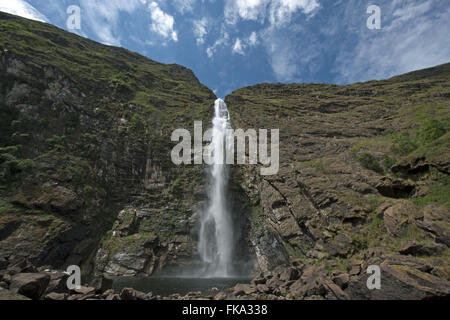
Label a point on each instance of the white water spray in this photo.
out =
(216, 240)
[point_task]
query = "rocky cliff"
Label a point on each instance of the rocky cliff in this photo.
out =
(86, 176)
(85, 141)
(363, 179)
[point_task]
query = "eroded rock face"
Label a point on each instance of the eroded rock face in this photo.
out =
(76, 149)
(346, 191)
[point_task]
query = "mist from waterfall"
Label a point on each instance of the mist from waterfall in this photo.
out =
(216, 238)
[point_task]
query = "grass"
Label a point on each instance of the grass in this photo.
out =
(321, 165)
(438, 194)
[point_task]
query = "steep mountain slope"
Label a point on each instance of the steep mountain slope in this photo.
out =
(85, 132)
(364, 173)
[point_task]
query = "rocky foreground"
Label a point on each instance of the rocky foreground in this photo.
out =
(403, 276)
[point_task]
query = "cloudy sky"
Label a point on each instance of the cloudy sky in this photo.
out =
(233, 43)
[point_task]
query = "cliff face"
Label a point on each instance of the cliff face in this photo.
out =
(364, 172)
(85, 134)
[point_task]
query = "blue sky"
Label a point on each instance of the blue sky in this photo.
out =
(234, 43)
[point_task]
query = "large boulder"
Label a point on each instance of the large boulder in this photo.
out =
(436, 221)
(58, 282)
(397, 216)
(31, 285)
(423, 249)
(402, 278)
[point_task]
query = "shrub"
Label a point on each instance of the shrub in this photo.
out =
(368, 161)
(388, 162)
(404, 143)
(433, 130)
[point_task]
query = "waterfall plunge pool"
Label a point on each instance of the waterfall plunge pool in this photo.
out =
(165, 286)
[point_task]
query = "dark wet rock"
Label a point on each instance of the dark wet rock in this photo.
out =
(421, 249)
(342, 280)
(290, 274)
(31, 285)
(58, 282)
(3, 263)
(132, 294)
(101, 284)
(395, 187)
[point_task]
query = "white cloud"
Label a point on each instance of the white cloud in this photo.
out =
(162, 23)
(253, 39)
(23, 9)
(279, 12)
(413, 37)
(200, 29)
(237, 47)
(183, 6)
(102, 17)
(245, 9)
(222, 41)
(240, 45)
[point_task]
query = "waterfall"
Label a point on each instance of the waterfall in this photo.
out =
(216, 240)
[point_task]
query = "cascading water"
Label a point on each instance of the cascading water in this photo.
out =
(216, 240)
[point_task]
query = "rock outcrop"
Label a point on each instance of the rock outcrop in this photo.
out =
(85, 141)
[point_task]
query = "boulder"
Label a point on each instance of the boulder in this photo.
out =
(262, 288)
(245, 288)
(400, 281)
(422, 249)
(101, 284)
(113, 296)
(335, 290)
(54, 296)
(290, 274)
(31, 285)
(3, 263)
(341, 280)
(84, 290)
(397, 216)
(435, 220)
(58, 282)
(274, 283)
(132, 294)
